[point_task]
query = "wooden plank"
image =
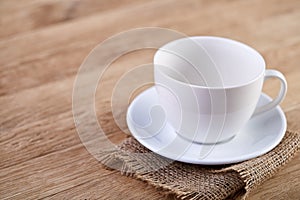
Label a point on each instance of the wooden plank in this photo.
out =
(86, 29)
(48, 36)
(64, 178)
(37, 143)
(78, 175)
(22, 16)
(41, 129)
(40, 151)
(50, 60)
(28, 130)
(50, 174)
(33, 121)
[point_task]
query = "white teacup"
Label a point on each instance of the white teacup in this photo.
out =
(209, 86)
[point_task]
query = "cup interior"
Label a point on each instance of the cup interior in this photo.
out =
(206, 61)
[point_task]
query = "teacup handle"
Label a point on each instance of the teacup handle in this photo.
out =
(271, 73)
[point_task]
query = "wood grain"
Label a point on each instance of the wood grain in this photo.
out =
(42, 45)
(21, 16)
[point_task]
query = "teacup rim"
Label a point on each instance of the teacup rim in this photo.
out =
(213, 87)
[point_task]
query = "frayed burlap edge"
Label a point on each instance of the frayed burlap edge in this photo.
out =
(130, 166)
(250, 173)
(255, 171)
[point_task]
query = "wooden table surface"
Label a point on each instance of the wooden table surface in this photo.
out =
(42, 45)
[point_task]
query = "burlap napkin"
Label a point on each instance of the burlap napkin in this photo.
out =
(187, 181)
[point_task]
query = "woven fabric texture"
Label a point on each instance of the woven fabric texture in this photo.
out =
(188, 181)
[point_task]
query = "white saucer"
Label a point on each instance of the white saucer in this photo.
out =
(147, 123)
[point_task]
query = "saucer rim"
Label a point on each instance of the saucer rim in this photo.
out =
(187, 159)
